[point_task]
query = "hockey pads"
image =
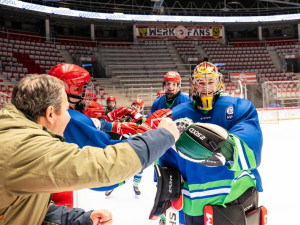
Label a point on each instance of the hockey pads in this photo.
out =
(183, 123)
(169, 185)
(244, 210)
(205, 143)
(154, 119)
(234, 215)
(124, 128)
(116, 114)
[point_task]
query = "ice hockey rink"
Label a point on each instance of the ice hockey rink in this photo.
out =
(279, 171)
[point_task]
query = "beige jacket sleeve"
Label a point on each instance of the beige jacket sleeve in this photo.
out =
(41, 163)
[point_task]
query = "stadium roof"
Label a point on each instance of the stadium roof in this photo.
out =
(181, 7)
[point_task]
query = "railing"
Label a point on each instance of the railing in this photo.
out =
(280, 92)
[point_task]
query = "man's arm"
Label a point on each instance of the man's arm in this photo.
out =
(63, 216)
(44, 164)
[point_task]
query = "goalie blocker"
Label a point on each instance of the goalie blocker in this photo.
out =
(169, 185)
(242, 211)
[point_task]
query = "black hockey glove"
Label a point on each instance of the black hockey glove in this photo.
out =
(205, 143)
(169, 185)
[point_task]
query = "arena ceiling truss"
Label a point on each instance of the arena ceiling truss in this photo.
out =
(183, 7)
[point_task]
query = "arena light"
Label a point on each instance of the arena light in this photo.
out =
(233, 2)
(147, 18)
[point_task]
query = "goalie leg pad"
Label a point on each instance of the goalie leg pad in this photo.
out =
(169, 185)
(218, 215)
(242, 211)
(257, 216)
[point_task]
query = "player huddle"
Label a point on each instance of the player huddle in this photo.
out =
(209, 176)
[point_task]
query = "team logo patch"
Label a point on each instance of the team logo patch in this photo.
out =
(229, 112)
(143, 31)
(216, 31)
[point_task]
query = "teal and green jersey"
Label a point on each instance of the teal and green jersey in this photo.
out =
(219, 185)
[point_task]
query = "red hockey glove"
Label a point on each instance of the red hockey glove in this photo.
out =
(154, 119)
(134, 115)
(116, 114)
(94, 113)
(124, 128)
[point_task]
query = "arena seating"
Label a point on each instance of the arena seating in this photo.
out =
(247, 56)
(77, 46)
(26, 52)
(186, 50)
(6, 88)
(139, 69)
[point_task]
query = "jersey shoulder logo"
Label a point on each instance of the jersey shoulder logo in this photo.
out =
(229, 112)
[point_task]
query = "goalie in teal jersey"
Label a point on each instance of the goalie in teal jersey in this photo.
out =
(217, 156)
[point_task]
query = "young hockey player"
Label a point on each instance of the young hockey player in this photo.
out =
(138, 106)
(81, 129)
(170, 97)
(111, 104)
(217, 155)
(173, 95)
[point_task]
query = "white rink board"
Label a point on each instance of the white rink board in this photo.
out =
(279, 172)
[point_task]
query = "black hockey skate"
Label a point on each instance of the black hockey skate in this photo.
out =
(136, 190)
(107, 193)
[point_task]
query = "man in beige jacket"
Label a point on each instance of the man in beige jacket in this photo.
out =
(35, 162)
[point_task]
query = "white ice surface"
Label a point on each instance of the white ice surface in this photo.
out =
(279, 170)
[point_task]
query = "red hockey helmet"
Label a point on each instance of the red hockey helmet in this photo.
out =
(172, 76)
(139, 102)
(75, 77)
(111, 98)
(94, 110)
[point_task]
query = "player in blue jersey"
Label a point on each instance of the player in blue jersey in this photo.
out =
(170, 97)
(217, 155)
(81, 129)
(173, 95)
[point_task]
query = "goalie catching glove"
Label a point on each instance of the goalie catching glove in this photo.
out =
(205, 143)
(154, 119)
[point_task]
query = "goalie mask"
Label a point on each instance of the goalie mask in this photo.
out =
(171, 85)
(206, 85)
(77, 81)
